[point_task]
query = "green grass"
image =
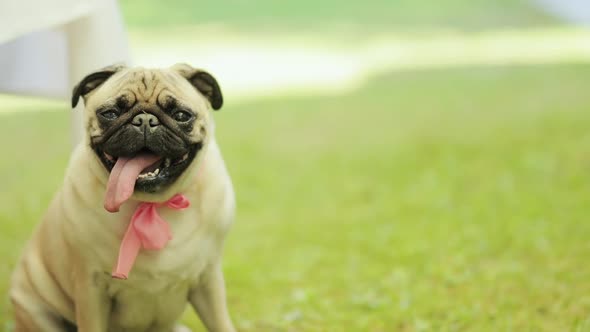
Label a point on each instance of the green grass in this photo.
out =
(451, 200)
(309, 15)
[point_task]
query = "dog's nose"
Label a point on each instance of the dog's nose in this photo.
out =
(145, 120)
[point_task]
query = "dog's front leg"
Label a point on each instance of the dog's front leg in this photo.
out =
(92, 304)
(31, 314)
(208, 299)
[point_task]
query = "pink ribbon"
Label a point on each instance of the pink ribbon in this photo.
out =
(146, 230)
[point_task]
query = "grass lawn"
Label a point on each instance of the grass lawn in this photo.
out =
(451, 200)
(309, 15)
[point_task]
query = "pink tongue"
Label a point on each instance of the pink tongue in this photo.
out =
(122, 179)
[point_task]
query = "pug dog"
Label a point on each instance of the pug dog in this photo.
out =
(149, 142)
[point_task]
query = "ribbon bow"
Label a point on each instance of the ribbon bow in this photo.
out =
(146, 230)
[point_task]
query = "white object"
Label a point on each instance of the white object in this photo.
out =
(46, 47)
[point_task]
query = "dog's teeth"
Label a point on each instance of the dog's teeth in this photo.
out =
(184, 157)
(167, 162)
(148, 174)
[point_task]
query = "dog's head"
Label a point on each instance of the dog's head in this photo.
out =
(147, 124)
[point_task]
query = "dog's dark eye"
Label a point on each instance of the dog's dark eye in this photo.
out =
(181, 116)
(110, 114)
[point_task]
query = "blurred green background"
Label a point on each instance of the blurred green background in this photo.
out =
(433, 198)
(309, 14)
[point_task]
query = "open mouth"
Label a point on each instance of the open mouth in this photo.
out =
(162, 165)
(143, 171)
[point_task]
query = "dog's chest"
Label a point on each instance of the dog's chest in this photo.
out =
(192, 243)
(143, 304)
(156, 292)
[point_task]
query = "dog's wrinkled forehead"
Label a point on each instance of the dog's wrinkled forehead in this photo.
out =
(180, 82)
(150, 87)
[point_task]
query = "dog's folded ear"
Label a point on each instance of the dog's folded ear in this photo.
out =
(93, 81)
(202, 81)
